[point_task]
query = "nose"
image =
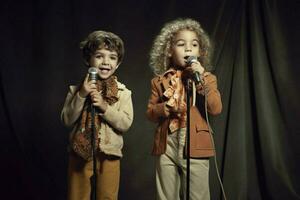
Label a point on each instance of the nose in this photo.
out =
(105, 60)
(188, 48)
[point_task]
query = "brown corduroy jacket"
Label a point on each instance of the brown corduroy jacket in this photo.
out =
(200, 140)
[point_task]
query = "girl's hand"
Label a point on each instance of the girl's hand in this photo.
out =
(181, 108)
(197, 67)
(189, 71)
(98, 100)
(87, 87)
(175, 110)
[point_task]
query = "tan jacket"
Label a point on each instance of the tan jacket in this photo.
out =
(200, 141)
(117, 119)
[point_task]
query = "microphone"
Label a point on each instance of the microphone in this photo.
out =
(196, 75)
(93, 74)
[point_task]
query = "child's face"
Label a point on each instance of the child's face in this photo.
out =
(106, 61)
(185, 44)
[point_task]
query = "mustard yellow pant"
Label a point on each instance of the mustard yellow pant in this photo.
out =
(80, 171)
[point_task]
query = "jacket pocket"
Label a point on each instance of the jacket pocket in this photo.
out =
(203, 138)
(200, 128)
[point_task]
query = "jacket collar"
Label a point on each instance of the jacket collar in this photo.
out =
(121, 86)
(165, 78)
(171, 71)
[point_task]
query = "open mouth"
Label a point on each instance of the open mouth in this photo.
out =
(104, 69)
(190, 59)
(185, 58)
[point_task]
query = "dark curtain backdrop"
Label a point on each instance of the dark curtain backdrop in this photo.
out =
(256, 59)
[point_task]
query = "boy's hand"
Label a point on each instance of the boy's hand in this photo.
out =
(87, 87)
(98, 101)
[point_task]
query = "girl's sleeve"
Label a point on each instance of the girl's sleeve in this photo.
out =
(156, 108)
(72, 107)
(121, 118)
(214, 102)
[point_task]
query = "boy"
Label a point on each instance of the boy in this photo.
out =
(114, 116)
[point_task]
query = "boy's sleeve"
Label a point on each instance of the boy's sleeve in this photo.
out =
(214, 102)
(155, 108)
(72, 107)
(120, 119)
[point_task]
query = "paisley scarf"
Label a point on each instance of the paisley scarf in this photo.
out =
(81, 142)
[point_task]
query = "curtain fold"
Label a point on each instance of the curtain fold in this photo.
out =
(252, 69)
(256, 60)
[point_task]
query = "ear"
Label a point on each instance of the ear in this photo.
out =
(204, 52)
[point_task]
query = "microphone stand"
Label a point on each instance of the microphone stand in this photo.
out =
(188, 153)
(93, 179)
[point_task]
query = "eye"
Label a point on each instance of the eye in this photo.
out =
(180, 44)
(98, 56)
(113, 57)
(195, 44)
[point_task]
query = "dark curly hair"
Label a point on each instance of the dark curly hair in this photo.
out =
(99, 39)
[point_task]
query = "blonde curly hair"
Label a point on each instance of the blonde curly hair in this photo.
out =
(159, 61)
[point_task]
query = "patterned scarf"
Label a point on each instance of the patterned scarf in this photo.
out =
(175, 95)
(81, 143)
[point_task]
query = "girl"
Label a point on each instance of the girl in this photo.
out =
(179, 40)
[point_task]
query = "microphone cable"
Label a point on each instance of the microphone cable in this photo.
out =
(211, 137)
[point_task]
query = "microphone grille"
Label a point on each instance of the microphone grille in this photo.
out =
(93, 71)
(191, 59)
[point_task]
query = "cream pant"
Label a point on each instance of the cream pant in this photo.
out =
(171, 172)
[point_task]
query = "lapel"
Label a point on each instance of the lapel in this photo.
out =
(164, 80)
(165, 83)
